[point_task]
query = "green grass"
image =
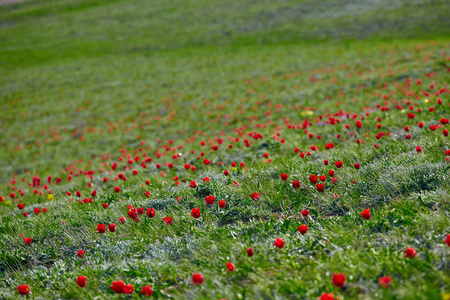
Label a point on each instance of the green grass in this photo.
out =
(85, 83)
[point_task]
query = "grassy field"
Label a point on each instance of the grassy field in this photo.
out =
(109, 109)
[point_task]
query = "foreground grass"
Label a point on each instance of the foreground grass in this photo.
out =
(72, 105)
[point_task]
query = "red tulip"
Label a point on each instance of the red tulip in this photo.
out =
(20, 206)
(222, 203)
(320, 187)
(296, 184)
(101, 228)
(366, 214)
(151, 212)
(279, 243)
(250, 252)
(146, 291)
(447, 241)
(255, 196)
(81, 253)
(338, 279)
(410, 252)
(338, 164)
(193, 184)
(230, 267)
(327, 296)
(81, 281)
(313, 179)
(305, 213)
(303, 228)
(195, 213)
(23, 289)
(27, 240)
(128, 289)
(168, 220)
(284, 176)
(112, 227)
(117, 189)
(117, 286)
(197, 279)
(385, 282)
(210, 199)
(357, 166)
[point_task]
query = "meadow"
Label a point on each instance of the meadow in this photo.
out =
(225, 150)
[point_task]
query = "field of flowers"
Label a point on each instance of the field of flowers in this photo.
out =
(220, 150)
